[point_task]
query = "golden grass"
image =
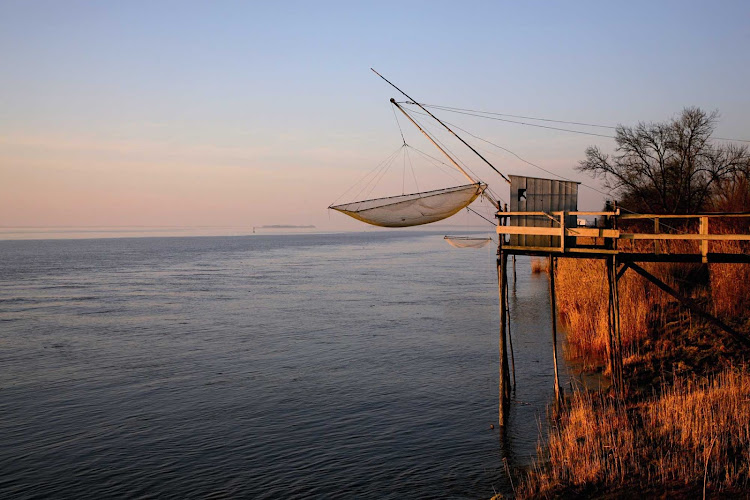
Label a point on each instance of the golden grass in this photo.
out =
(582, 299)
(730, 283)
(694, 430)
(582, 296)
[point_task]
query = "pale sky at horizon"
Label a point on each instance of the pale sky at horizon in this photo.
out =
(243, 113)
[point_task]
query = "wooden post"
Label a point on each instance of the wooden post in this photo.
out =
(504, 379)
(614, 340)
(704, 243)
(553, 310)
(510, 335)
(657, 229)
(562, 232)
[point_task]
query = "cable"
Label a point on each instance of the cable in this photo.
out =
(480, 215)
(611, 127)
(531, 124)
(371, 172)
(397, 123)
(448, 108)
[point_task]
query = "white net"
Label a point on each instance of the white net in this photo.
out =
(467, 241)
(413, 209)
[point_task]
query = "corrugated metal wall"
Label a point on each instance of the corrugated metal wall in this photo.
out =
(531, 194)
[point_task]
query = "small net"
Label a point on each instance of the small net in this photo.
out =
(413, 209)
(467, 241)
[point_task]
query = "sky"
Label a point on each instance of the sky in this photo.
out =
(186, 113)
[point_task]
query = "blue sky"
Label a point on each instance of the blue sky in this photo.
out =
(250, 113)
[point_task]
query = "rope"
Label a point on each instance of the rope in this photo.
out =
(397, 123)
(583, 124)
(371, 172)
(531, 124)
(448, 108)
(480, 215)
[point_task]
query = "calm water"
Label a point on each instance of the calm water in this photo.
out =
(331, 366)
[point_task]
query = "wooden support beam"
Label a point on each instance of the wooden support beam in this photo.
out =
(657, 230)
(699, 237)
(553, 312)
(690, 304)
(622, 270)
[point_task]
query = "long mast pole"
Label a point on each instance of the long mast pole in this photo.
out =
(441, 123)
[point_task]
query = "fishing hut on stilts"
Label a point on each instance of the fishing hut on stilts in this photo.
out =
(543, 221)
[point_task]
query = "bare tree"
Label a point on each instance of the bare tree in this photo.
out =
(671, 167)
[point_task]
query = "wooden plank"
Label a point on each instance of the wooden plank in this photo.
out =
(578, 212)
(521, 250)
(690, 216)
(592, 232)
(712, 237)
(543, 231)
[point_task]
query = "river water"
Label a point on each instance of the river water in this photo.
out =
(353, 365)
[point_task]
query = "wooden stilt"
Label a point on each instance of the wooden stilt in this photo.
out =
(553, 312)
(614, 340)
(510, 336)
(504, 379)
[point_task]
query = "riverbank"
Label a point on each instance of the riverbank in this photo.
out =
(682, 424)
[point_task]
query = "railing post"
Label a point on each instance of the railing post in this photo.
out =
(656, 231)
(562, 232)
(704, 242)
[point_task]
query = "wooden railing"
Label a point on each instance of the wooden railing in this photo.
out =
(610, 234)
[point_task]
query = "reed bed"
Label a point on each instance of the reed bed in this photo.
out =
(694, 434)
(683, 425)
(582, 295)
(730, 283)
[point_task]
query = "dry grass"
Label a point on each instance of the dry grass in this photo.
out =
(679, 424)
(582, 293)
(694, 430)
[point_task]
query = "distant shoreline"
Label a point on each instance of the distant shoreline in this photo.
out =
(282, 226)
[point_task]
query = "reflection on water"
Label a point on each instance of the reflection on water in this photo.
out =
(269, 366)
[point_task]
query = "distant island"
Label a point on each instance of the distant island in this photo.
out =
(282, 226)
